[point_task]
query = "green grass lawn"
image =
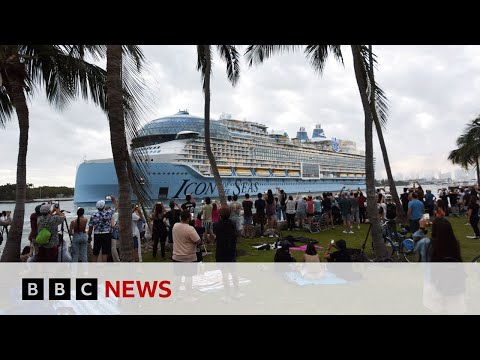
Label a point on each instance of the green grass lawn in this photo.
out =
(469, 247)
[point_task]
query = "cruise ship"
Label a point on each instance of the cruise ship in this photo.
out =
(250, 160)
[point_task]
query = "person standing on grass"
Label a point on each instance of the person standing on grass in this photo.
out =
(473, 208)
(159, 229)
(290, 206)
(78, 229)
(100, 225)
(345, 206)
(355, 216)
(362, 211)
(415, 212)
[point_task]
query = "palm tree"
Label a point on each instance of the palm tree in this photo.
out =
(361, 74)
(123, 88)
(468, 152)
(204, 63)
(64, 73)
(317, 56)
(380, 107)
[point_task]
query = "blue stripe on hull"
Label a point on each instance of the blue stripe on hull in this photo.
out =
(96, 180)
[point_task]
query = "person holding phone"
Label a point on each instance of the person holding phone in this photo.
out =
(341, 255)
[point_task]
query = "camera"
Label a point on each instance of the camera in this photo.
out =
(108, 197)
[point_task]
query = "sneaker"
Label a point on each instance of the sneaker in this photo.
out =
(473, 237)
(345, 231)
(467, 224)
(358, 227)
(351, 232)
(270, 236)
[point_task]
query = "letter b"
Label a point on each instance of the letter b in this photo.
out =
(32, 289)
(59, 289)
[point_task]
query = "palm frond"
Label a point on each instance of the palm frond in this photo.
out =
(257, 54)
(381, 100)
(231, 57)
(318, 55)
(136, 103)
(468, 144)
(6, 108)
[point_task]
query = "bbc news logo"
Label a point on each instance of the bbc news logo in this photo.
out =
(87, 289)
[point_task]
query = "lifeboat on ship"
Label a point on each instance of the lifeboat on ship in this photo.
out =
(278, 172)
(225, 171)
(293, 173)
(262, 172)
(243, 171)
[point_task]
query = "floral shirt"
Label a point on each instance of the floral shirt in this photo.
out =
(102, 221)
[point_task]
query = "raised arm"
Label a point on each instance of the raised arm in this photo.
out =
(115, 202)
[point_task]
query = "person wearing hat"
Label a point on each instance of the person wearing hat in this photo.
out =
(101, 225)
(50, 218)
(341, 255)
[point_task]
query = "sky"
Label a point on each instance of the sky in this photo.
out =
(433, 93)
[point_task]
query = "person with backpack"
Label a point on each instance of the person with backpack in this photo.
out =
(47, 237)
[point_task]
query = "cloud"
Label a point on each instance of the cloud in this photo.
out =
(432, 91)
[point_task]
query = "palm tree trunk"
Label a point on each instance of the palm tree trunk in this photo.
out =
(118, 141)
(478, 171)
(208, 145)
(360, 74)
(12, 249)
(400, 213)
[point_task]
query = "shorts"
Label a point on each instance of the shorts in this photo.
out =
(135, 242)
(346, 217)
(102, 242)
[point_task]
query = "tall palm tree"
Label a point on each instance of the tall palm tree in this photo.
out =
(204, 63)
(380, 107)
(64, 73)
(123, 90)
(468, 152)
(317, 56)
(361, 74)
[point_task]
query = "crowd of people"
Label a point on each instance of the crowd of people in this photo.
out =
(211, 223)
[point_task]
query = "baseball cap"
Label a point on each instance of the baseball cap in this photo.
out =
(100, 204)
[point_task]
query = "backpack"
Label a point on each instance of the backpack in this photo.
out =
(391, 211)
(43, 236)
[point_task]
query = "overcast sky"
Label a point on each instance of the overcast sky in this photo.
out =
(433, 92)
